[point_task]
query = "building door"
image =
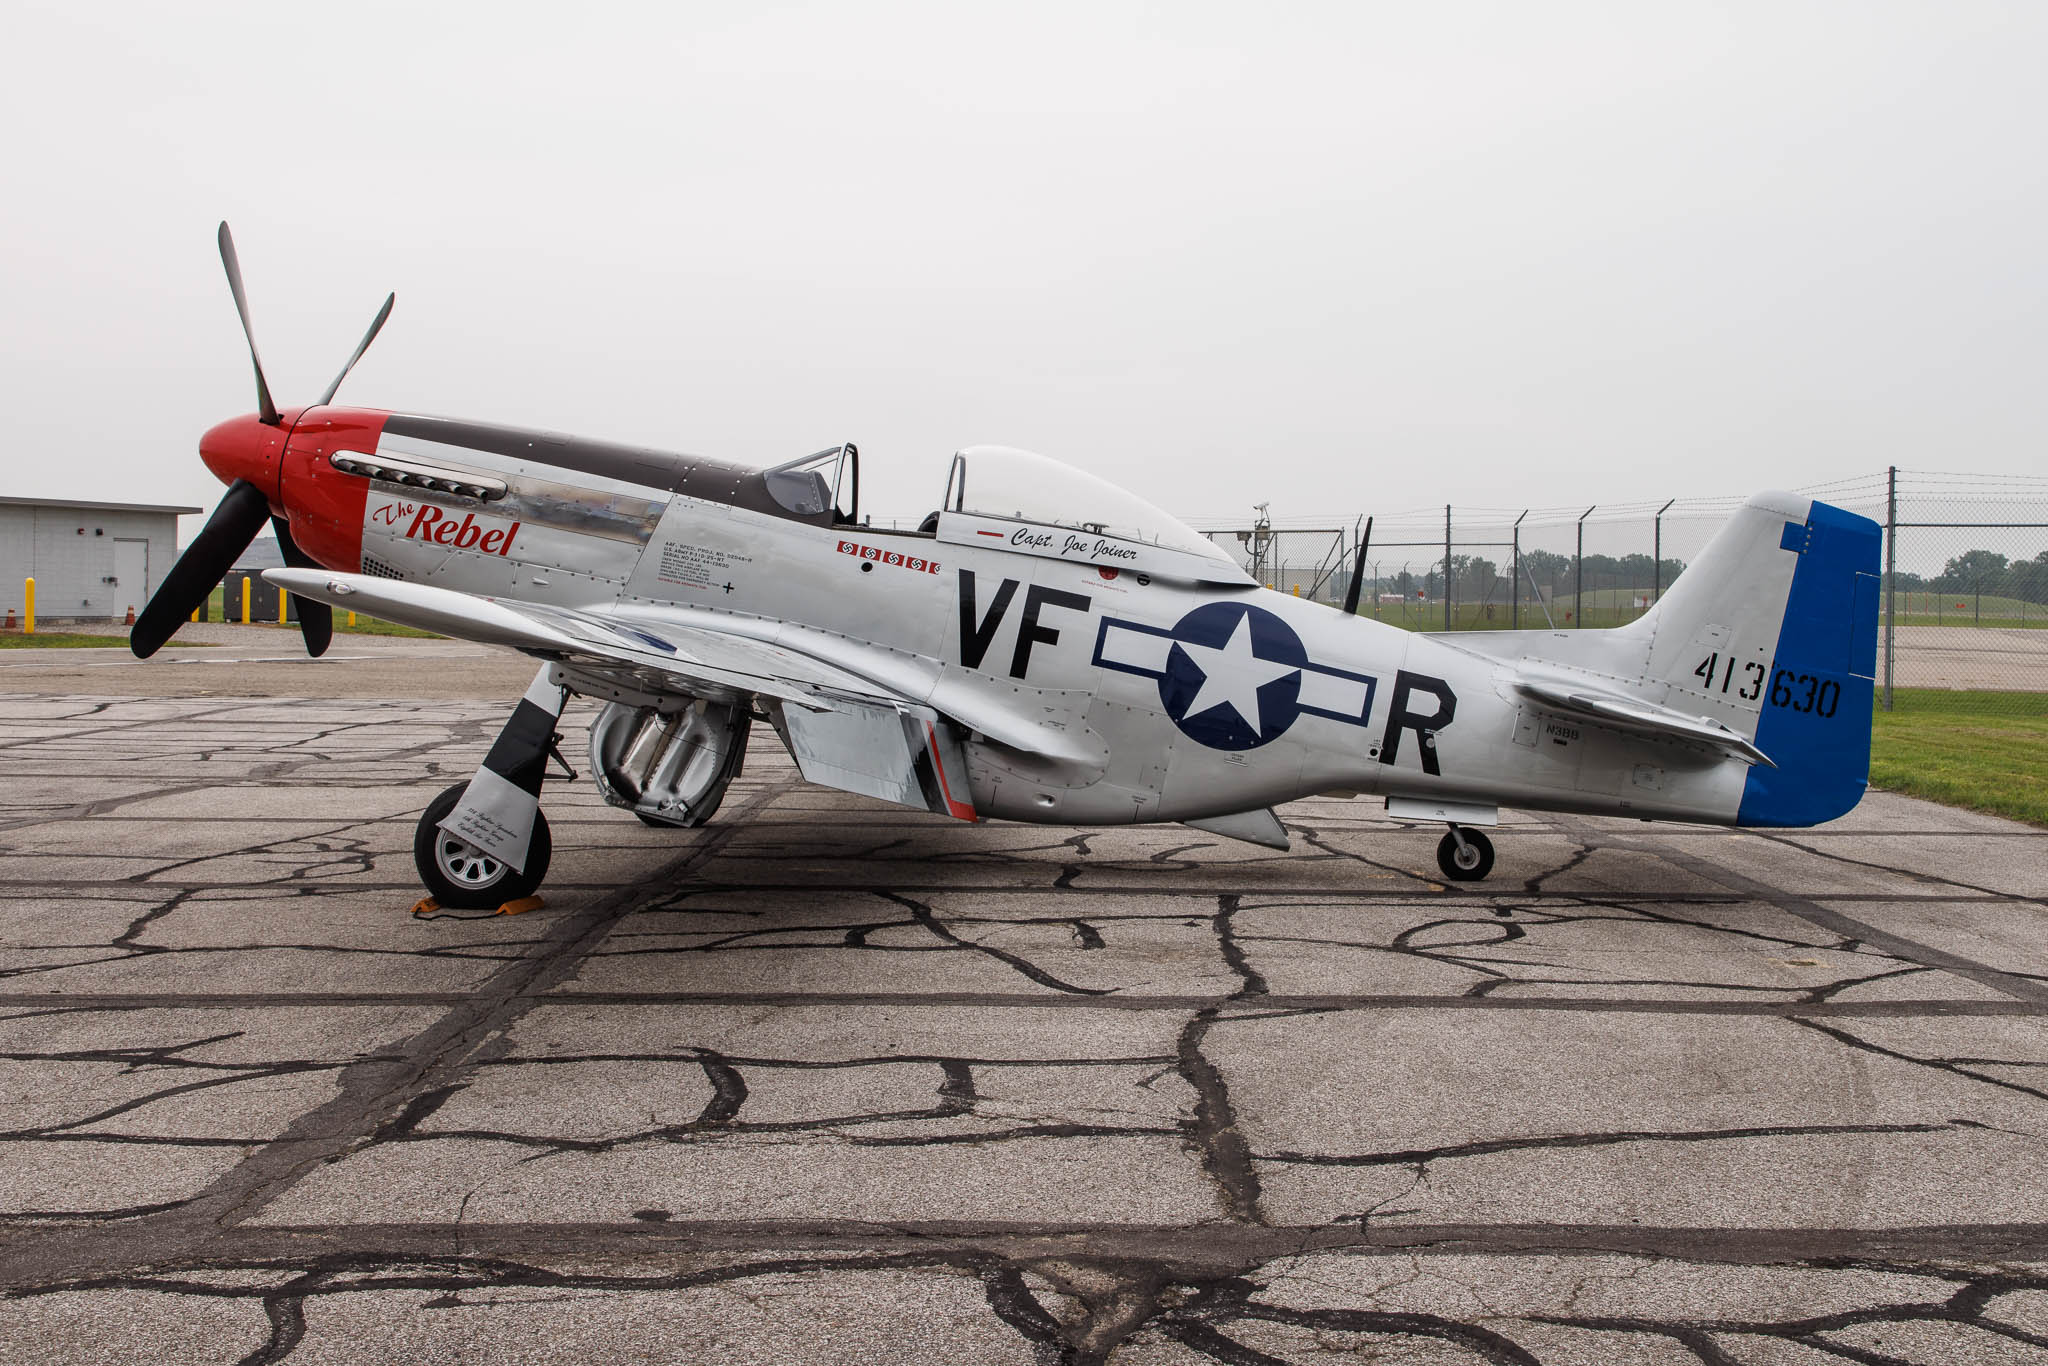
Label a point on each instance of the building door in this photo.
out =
(131, 575)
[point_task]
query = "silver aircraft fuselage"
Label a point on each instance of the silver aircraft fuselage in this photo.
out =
(1147, 685)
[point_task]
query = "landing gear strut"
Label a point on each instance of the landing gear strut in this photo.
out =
(1465, 855)
(484, 843)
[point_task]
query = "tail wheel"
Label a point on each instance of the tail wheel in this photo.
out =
(465, 878)
(1466, 862)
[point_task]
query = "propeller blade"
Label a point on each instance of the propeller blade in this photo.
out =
(265, 409)
(316, 619)
(361, 347)
(1357, 573)
(206, 561)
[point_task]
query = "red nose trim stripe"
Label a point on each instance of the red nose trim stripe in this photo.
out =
(326, 504)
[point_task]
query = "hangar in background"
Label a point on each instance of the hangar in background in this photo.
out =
(90, 561)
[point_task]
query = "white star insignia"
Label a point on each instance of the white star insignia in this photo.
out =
(1233, 675)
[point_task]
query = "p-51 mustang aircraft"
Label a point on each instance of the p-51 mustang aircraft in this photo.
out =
(1045, 647)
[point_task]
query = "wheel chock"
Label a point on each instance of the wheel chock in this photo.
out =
(426, 908)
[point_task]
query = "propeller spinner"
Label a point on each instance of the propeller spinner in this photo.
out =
(240, 452)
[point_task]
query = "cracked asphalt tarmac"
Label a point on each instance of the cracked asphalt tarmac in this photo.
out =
(831, 1081)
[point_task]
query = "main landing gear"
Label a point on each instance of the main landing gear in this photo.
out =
(669, 767)
(1465, 855)
(484, 843)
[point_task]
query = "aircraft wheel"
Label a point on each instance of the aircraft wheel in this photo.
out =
(1468, 864)
(463, 877)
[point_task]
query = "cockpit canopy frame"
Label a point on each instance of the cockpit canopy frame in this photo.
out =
(826, 481)
(1022, 486)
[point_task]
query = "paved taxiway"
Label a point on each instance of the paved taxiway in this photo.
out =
(829, 1081)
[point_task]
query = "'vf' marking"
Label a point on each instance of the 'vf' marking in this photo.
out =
(978, 630)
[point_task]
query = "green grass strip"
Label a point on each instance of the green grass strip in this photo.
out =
(1986, 751)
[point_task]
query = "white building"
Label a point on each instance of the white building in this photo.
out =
(90, 561)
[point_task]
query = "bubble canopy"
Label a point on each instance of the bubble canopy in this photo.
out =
(1023, 486)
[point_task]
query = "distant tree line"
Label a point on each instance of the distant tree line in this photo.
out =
(1478, 579)
(1559, 574)
(1985, 572)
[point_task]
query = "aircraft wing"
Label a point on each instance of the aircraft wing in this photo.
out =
(701, 663)
(853, 729)
(1635, 714)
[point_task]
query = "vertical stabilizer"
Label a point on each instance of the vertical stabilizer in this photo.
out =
(1773, 631)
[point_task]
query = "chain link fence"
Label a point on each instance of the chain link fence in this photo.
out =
(1965, 558)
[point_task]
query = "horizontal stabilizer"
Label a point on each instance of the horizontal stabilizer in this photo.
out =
(1634, 714)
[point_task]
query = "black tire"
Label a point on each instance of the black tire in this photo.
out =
(1478, 856)
(461, 878)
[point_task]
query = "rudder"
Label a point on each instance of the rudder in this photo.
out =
(1816, 717)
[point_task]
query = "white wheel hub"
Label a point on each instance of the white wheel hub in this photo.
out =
(464, 864)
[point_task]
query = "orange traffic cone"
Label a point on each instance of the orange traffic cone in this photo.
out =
(131, 615)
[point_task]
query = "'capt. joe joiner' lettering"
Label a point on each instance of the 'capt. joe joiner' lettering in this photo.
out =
(1033, 538)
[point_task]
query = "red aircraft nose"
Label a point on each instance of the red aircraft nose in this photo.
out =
(244, 448)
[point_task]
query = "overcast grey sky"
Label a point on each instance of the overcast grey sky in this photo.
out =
(1344, 256)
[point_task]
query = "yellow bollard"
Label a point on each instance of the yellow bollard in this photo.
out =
(351, 621)
(29, 618)
(280, 607)
(245, 600)
(196, 611)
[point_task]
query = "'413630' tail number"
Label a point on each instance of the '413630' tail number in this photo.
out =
(1801, 692)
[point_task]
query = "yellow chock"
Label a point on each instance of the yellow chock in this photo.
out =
(426, 908)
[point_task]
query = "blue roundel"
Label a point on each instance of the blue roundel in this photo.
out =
(1233, 676)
